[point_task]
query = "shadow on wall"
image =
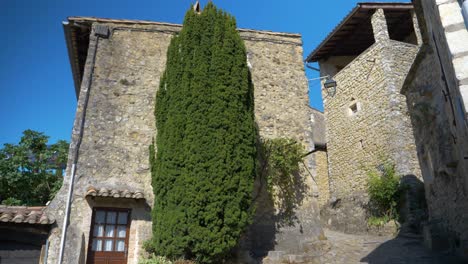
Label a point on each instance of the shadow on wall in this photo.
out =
(82, 258)
(413, 207)
(408, 246)
(269, 220)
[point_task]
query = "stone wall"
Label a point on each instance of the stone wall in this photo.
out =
(281, 110)
(123, 73)
(323, 181)
(435, 102)
(456, 34)
(320, 157)
(367, 124)
(115, 124)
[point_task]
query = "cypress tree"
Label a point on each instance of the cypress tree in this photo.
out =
(203, 158)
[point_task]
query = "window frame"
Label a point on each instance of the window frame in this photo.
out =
(92, 254)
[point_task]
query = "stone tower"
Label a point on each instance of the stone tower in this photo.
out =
(368, 55)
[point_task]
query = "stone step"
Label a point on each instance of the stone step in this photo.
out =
(303, 259)
(276, 255)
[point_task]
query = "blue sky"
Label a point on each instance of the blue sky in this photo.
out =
(36, 86)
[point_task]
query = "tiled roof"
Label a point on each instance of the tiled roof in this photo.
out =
(24, 215)
(113, 193)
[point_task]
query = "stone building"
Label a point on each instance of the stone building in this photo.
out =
(368, 55)
(437, 95)
(116, 65)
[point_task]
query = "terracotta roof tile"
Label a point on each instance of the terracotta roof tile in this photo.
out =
(114, 193)
(24, 215)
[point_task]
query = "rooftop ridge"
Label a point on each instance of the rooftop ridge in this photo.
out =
(148, 22)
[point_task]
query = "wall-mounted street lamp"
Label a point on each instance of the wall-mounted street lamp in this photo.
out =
(329, 84)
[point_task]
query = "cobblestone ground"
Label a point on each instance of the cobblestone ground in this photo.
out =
(404, 249)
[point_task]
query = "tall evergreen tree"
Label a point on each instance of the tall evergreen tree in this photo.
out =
(203, 161)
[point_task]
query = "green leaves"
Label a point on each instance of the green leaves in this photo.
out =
(31, 172)
(282, 158)
(203, 157)
(384, 191)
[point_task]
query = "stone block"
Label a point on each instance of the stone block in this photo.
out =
(457, 41)
(464, 94)
(450, 14)
(441, 2)
(276, 255)
(296, 259)
(461, 67)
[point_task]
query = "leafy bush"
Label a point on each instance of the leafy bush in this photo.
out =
(378, 221)
(153, 259)
(282, 158)
(203, 162)
(384, 192)
(184, 261)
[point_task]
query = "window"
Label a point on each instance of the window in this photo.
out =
(354, 107)
(109, 235)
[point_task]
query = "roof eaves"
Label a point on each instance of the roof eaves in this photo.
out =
(359, 6)
(333, 32)
(72, 56)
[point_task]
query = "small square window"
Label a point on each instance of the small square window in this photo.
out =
(353, 108)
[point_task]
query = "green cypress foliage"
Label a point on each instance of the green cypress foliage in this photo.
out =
(203, 161)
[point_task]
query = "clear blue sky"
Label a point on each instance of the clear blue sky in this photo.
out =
(36, 86)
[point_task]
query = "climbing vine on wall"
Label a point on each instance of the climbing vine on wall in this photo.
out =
(281, 159)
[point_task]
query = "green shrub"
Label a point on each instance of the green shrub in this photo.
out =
(384, 192)
(12, 201)
(153, 259)
(378, 221)
(203, 160)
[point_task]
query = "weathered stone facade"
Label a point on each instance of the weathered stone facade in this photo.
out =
(320, 157)
(366, 122)
(434, 89)
(115, 124)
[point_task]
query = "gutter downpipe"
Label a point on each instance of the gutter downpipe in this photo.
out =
(46, 253)
(67, 214)
(87, 83)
